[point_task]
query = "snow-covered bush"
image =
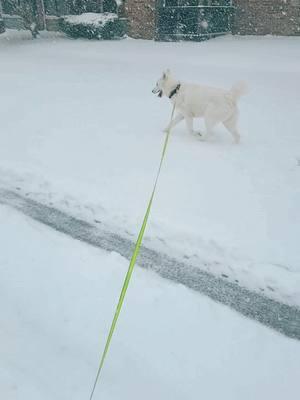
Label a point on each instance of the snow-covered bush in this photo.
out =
(93, 26)
(27, 10)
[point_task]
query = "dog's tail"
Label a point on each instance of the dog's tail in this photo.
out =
(238, 90)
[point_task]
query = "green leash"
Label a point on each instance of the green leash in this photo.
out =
(132, 261)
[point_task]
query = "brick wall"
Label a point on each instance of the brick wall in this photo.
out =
(141, 18)
(261, 17)
(252, 17)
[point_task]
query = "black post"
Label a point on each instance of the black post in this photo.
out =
(158, 6)
(40, 13)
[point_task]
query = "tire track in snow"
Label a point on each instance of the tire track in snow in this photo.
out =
(278, 316)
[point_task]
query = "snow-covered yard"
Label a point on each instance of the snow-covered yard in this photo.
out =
(57, 298)
(81, 129)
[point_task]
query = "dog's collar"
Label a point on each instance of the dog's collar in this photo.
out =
(174, 91)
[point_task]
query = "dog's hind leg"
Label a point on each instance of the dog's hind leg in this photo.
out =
(231, 125)
(174, 122)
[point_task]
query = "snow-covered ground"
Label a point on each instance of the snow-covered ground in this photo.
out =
(79, 128)
(57, 297)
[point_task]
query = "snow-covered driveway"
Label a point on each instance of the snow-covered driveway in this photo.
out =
(57, 297)
(80, 128)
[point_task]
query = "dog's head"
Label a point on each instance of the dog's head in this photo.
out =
(161, 83)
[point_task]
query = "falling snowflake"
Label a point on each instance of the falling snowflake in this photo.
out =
(204, 24)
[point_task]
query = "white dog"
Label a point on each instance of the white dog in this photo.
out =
(195, 101)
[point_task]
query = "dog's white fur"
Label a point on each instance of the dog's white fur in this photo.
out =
(195, 101)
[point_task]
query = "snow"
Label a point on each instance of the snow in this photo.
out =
(81, 130)
(57, 298)
(90, 18)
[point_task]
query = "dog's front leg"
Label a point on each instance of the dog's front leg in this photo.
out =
(189, 124)
(174, 122)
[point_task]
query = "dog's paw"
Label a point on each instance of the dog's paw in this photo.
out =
(203, 137)
(200, 135)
